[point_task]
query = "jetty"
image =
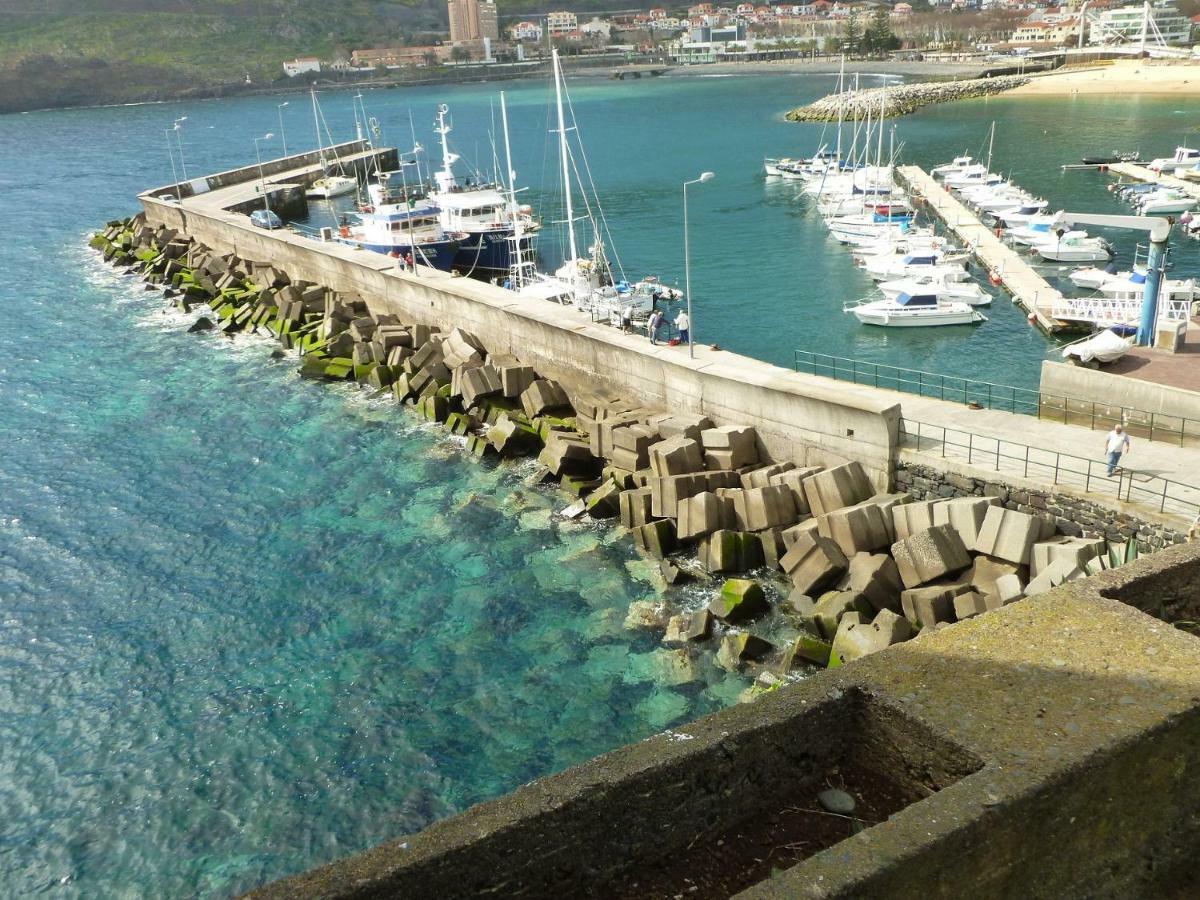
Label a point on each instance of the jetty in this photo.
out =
(1141, 173)
(1028, 289)
(902, 99)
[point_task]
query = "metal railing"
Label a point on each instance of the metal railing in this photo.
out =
(1004, 397)
(1011, 457)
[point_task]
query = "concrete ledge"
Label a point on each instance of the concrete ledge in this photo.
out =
(1054, 742)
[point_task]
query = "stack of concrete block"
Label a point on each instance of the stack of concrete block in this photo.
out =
(729, 447)
(1075, 550)
(667, 492)
(1008, 534)
(462, 348)
(814, 563)
(544, 397)
(875, 577)
(676, 456)
(929, 554)
(862, 526)
(756, 509)
(834, 488)
(631, 447)
(856, 638)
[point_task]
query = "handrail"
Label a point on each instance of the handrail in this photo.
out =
(1011, 457)
(1005, 397)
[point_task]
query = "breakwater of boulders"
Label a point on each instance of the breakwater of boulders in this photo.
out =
(900, 100)
(852, 570)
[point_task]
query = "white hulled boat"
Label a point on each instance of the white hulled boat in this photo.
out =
(913, 310)
(1165, 201)
(944, 289)
(1182, 158)
(913, 265)
(1073, 246)
(330, 184)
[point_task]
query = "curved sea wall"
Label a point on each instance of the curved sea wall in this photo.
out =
(902, 100)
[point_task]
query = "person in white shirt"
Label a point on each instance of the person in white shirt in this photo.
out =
(1115, 444)
(683, 324)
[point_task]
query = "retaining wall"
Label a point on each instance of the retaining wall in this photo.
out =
(1080, 383)
(798, 417)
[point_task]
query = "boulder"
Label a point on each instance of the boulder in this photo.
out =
(204, 323)
(930, 554)
(740, 600)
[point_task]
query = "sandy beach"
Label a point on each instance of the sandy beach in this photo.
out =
(1126, 76)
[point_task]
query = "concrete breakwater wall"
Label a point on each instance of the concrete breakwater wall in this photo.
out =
(797, 418)
(901, 100)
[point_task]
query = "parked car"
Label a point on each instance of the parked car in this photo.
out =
(265, 218)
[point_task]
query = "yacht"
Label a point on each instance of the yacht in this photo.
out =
(943, 288)
(913, 310)
(958, 164)
(1073, 246)
(914, 265)
(1022, 214)
(329, 186)
(1164, 202)
(1182, 158)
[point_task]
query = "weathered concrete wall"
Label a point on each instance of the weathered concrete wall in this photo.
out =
(1079, 383)
(797, 417)
(1071, 515)
(1058, 737)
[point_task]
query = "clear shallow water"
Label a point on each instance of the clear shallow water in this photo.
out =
(249, 624)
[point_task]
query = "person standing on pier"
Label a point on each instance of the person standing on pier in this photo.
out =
(1115, 444)
(683, 324)
(655, 323)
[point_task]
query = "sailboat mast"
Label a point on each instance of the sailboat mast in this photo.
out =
(562, 149)
(317, 127)
(516, 267)
(841, 105)
(991, 140)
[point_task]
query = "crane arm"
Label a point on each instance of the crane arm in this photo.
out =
(1158, 227)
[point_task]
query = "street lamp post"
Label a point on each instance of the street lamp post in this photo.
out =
(174, 171)
(179, 140)
(687, 261)
(282, 135)
(262, 182)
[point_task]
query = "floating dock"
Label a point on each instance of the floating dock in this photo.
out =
(1029, 290)
(1141, 173)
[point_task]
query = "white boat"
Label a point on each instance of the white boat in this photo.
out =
(912, 311)
(1034, 231)
(861, 229)
(1105, 346)
(331, 186)
(1073, 246)
(1026, 212)
(1002, 202)
(1165, 201)
(1091, 277)
(971, 177)
(915, 241)
(401, 229)
(953, 167)
(1132, 286)
(944, 289)
(911, 265)
(1182, 158)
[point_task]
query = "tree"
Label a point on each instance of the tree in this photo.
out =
(877, 37)
(852, 34)
(460, 53)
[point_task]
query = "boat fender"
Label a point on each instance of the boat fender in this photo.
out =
(1103, 168)
(344, 231)
(999, 231)
(1032, 317)
(994, 278)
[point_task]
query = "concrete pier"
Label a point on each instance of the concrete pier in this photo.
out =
(1031, 292)
(1141, 173)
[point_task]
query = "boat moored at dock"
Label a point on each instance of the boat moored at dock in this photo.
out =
(913, 311)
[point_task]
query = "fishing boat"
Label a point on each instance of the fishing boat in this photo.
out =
(944, 289)
(1073, 246)
(1165, 201)
(479, 210)
(402, 229)
(912, 311)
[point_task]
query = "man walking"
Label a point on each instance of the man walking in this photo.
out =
(655, 323)
(1115, 444)
(683, 324)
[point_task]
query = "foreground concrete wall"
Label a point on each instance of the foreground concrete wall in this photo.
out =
(1079, 383)
(1057, 741)
(797, 417)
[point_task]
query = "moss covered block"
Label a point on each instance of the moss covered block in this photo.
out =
(433, 408)
(740, 600)
(478, 445)
(340, 370)
(578, 485)
(458, 423)
(99, 242)
(362, 371)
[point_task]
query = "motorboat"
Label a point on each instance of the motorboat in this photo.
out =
(329, 186)
(915, 240)
(1073, 246)
(1132, 286)
(1028, 210)
(913, 265)
(1104, 346)
(972, 176)
(1165, 201)
(1116, 156)
(913, 310)
(403, 229)
(1182, 158)
(1035, 230)
(867, 228)
(771, 165)
(956, 165)
(479, 210)
(1091, 277)
(944, 289)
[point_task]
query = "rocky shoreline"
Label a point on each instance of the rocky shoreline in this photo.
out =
(851, 570)
(901, 100)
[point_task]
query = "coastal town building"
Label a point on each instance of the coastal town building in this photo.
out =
(560, 23)
(394, 57)
(526, 31)
(1162, 24)
(473, 21)
(300, 65)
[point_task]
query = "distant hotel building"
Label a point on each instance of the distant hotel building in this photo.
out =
(473, 21)
(560, 23)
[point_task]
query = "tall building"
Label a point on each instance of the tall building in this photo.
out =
(473, 20)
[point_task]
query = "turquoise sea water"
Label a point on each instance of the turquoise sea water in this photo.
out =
(249, 624)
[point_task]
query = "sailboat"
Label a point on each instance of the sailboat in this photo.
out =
(329, 185)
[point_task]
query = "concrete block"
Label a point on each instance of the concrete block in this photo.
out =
(1077, 550)
(1054, 574)
(515, 380)
(730, 551)
(793, 534)
(970, 603)
(930, 554)
(478, 383)
(760, 475)
(926, 606)
(683, 425)
(793, 479)
(633, 507)
(1008, 589)
(700, 626)
(805, 649)
(773, 547)
(1008, 534)
(737, 442)
(767, 507)
(656, 538)
(813, 563)
(910, 518)
(831, 608)
(875, 577)
(855, 528)
(702, 514)
(544, 397)
(740, 600)
(965, 515)
(740, 647)
(676, 456)
(565, 453)
(985, 571)
(666, 493)
(837, 487)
